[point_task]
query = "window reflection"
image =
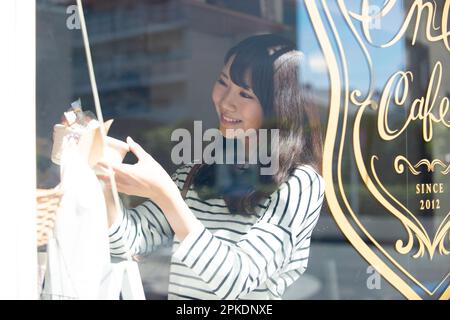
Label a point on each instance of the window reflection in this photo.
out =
(156, 63)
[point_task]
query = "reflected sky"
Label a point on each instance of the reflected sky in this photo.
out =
(387, 61)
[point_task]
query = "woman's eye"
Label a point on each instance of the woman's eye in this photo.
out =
(222, 82)
(244, 95)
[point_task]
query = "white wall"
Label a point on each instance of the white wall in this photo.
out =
(18, 266)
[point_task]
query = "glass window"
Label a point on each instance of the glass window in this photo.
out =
(376, 75)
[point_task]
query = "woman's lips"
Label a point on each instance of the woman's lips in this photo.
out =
(229, 121)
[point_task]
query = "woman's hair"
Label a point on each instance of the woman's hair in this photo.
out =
(272, 64)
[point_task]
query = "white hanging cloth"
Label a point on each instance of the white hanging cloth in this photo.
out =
(78, 253)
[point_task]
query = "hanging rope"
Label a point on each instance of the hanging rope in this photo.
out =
(98, 108)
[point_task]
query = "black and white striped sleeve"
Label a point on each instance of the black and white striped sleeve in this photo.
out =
(141, 230)
(269, 248)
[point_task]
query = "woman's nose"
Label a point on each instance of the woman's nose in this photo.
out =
(228, 102)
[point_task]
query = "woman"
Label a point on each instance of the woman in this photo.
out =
(250, 244)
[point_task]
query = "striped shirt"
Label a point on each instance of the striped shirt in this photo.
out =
(230, 256)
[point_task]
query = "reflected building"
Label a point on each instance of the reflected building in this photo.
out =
(54, 83)
(421, 58)
(156, 61)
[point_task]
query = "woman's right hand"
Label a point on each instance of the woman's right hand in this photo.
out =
(146, 178)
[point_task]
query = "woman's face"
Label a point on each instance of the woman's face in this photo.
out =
(237, 107)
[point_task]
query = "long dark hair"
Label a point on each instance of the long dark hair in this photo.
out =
(274, 65)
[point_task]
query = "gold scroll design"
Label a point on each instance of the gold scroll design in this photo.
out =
(430, 166)
(411, 228)
(337, 211)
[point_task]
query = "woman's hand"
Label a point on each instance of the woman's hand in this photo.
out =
(146, 178)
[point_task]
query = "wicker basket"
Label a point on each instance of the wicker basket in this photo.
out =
(48, 201)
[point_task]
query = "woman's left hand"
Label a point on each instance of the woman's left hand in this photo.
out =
(146, 178)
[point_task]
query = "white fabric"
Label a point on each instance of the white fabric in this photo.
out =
(78, 253)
